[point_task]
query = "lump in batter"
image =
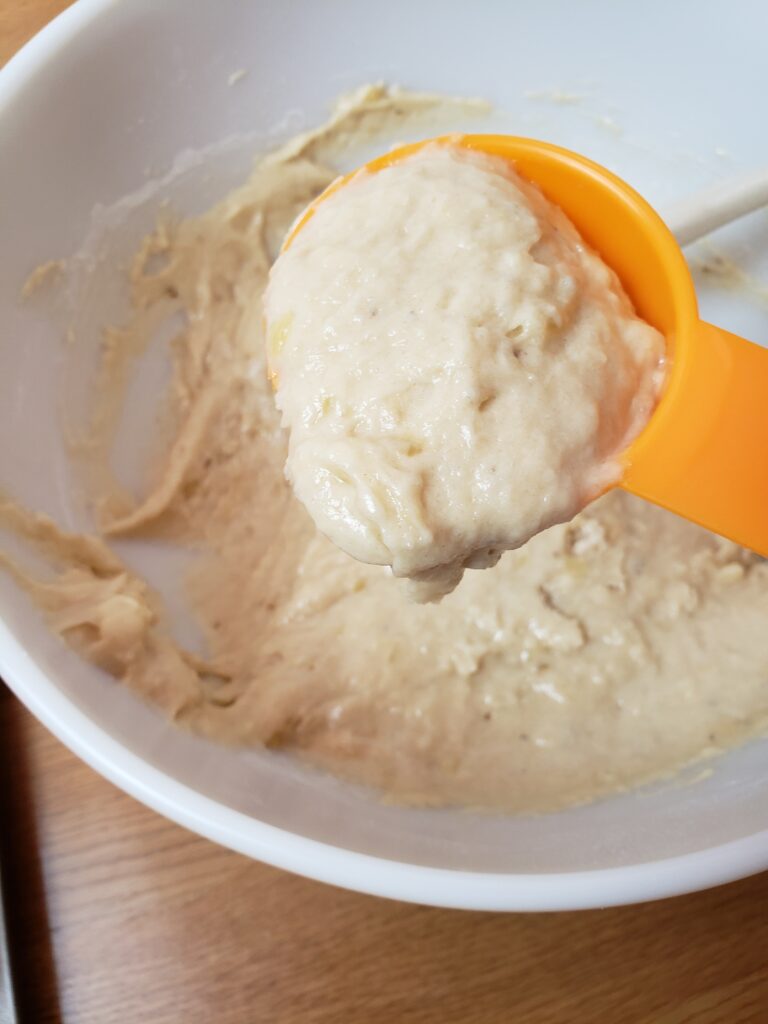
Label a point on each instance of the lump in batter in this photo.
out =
(458, 371)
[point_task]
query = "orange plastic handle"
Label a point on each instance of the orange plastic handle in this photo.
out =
(704, 453)
(707, 458)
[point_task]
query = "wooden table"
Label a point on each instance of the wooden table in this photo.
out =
(123, 917)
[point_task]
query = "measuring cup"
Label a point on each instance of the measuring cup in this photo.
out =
(704, 452)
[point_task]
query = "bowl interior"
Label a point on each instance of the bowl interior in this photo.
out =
(127, 107)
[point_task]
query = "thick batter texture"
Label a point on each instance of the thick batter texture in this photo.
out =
(457, 369)
(603, 653)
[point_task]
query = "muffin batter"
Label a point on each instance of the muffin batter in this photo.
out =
(602, 654)
(457, 369)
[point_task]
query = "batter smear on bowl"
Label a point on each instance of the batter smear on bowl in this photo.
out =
(457, 369)
(603, 653)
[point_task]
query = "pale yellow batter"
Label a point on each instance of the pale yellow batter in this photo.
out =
(604, 653)
(456, 368)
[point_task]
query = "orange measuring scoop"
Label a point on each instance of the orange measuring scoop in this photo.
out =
(704, 452)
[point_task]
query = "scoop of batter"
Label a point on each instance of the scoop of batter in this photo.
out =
(457, 369)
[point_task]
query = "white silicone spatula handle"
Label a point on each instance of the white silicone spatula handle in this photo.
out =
(691, 219)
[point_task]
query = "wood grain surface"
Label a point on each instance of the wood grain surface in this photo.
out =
(119, 916)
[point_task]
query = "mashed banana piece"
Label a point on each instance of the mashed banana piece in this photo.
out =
(457, 369)
(602, 654)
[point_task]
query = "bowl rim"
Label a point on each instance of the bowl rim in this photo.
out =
(348, 869)
(324, 862)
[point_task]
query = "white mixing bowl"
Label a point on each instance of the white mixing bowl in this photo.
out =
(107, 97)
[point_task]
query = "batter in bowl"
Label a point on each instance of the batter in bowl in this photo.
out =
(457, 369)
(602, 654)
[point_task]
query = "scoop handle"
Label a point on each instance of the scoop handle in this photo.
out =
(708, 459)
